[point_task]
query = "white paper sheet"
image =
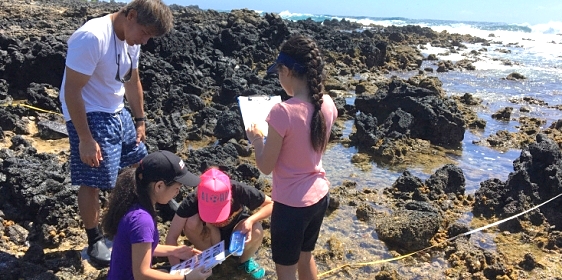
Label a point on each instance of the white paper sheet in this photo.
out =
(256, 108)
(209, 258)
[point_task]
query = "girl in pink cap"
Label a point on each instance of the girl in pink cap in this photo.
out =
(298, 133)
(218, 208)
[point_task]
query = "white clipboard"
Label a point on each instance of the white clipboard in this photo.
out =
(255, 109)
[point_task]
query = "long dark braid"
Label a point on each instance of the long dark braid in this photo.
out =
(305, 51)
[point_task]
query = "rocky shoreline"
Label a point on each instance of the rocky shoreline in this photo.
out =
(192, 78)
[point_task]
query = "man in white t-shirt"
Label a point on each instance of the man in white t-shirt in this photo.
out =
(102, 68)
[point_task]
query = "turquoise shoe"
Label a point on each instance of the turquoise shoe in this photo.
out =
(253, 268)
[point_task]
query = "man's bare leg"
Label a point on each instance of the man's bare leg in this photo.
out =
(89, 206)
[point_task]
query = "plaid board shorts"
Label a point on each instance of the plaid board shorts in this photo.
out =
(116, 135)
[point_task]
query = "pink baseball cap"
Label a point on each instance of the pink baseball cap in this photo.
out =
(214, 196)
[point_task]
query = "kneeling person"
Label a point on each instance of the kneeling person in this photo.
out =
(130, 220)
(219, 207)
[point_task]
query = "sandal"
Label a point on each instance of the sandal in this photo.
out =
(253, 268)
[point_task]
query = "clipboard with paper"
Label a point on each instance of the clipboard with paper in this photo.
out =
(255, 109)
(208, 258)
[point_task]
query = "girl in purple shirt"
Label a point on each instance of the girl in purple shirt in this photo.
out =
(131, 218)
(298, 133)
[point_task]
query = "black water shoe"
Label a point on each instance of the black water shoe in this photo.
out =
(99, 253)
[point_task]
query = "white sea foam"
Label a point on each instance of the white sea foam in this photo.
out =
(552, 27)
(289, 15)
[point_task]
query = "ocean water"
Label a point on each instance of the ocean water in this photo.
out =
(533, 50)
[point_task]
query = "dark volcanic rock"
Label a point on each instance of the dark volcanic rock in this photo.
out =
(44, 96)
(537, 177)
(50, 130)
(410, 228)
(475, 260)
(167, 132)
(229, 126)
(39, 184)
(503, 114)
(439, 190)
(432, 117)
(447, 180)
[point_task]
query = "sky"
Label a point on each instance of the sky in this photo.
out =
(514, 11)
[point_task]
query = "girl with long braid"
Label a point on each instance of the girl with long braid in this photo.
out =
(299, 130)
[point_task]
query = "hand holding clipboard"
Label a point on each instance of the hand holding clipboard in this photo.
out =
(254, 110)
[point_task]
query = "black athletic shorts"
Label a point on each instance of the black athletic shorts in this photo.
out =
(295, 230)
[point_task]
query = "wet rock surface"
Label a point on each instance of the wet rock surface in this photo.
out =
(192, 78)
(537, 176)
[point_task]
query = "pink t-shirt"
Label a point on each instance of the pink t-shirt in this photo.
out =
(298, 177)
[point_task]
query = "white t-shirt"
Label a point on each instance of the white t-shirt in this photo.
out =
(92, 51)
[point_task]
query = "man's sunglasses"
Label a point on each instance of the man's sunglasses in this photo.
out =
(127, 76)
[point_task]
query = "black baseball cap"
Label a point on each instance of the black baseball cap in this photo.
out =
(165, 166)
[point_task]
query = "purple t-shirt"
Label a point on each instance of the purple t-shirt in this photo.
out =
(137, 226)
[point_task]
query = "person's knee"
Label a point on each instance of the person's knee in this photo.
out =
(89, 190)
(88, 194)
(257, 232)
(286, 271)
(305, 256)
(193, 224)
